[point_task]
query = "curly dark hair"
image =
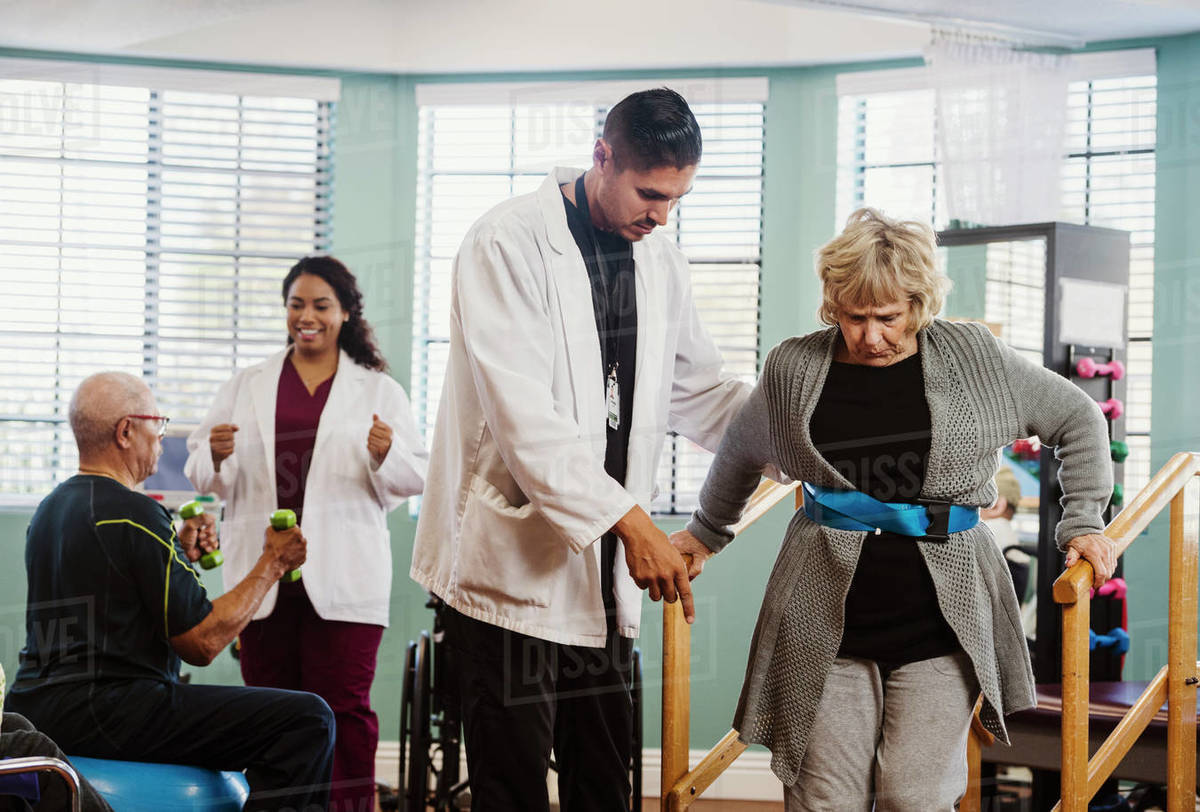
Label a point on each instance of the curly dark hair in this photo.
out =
(356, 336)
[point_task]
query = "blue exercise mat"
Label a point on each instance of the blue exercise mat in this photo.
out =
(136, 786)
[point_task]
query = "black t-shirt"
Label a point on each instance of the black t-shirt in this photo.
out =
(872, 424)
(108, 585)
(609, 261)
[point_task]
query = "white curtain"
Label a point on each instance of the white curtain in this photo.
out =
(1001, 125)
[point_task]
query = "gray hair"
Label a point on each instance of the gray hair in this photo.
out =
(99, 404)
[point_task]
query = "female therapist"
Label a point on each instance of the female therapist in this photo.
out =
(321, 429)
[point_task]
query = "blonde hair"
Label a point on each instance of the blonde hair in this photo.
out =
(876, 261)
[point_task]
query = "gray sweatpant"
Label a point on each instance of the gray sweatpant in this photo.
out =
(893, 738)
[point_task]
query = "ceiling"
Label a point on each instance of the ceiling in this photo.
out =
(452, 36)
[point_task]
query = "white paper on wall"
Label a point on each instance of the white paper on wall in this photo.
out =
(1091, 313)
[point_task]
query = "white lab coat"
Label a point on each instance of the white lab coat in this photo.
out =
(348, 573)
(517, 490)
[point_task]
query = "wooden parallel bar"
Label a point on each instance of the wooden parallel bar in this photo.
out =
(1173, 485)
(676, 696)
(1126, 733)
(1131, 521)
(1075, 665)
(1167, 487)
(767, 496)
(1181, 653)
(688, 788)
(676, 687)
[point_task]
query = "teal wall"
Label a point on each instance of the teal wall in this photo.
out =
(1176, 382)
(374, 213)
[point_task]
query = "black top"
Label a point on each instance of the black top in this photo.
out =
(108, 585)
(872, 424)
(609, 261)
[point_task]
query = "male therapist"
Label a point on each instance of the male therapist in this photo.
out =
(575, 346)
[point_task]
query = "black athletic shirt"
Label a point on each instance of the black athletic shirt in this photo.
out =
(108, 584)
(872, 425)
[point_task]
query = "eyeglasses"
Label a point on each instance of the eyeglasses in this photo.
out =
(162, 421)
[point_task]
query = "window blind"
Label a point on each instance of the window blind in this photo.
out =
(473, 156)
(144, 230)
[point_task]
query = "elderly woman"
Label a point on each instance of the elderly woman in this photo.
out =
(890, 608)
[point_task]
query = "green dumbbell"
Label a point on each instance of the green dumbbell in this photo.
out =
(209, 560)
(1119, 450)
(1118, 495)
(282, 519)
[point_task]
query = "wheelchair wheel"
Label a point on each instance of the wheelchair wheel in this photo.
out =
(635, 777)
(406, 697)
(416, 788)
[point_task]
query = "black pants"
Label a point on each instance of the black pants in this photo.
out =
(282, 739)
(18, 739)
(521, 696)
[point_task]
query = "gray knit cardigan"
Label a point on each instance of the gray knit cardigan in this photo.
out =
(982, 395)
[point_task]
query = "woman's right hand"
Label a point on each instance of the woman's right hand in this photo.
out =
(693, 551)
(220, 443)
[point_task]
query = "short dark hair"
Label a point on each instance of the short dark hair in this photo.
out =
(653, 128)
(356, 336)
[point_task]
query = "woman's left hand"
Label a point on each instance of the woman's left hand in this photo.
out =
(1100, 551)
(379, 441)
(694, 552)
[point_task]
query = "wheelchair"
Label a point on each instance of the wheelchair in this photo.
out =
(431, 728)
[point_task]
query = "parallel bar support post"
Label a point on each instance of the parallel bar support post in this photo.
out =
(676, 696)
(972, 801)
(1181, 652)
(978, 737)
(1075, 665)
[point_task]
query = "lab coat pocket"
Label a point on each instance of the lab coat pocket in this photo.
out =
(508, 555)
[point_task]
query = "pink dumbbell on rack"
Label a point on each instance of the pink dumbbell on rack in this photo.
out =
(1114, 587)
(1089, 368)
(1112, 408)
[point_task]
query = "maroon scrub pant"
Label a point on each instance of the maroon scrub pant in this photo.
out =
(294, 648)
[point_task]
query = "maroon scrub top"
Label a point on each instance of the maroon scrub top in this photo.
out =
(297, 416)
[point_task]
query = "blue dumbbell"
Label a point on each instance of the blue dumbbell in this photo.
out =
(1117, 640)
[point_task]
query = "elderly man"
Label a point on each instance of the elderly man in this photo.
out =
(114, 604)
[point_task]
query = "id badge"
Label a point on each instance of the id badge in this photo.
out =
(613, 399)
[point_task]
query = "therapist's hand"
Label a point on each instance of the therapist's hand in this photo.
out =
(653, 562)
(220, 443)
(1100, 551)
(693, 550)
(379, 441)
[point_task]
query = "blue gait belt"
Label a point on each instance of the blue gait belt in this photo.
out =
(855, 510)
